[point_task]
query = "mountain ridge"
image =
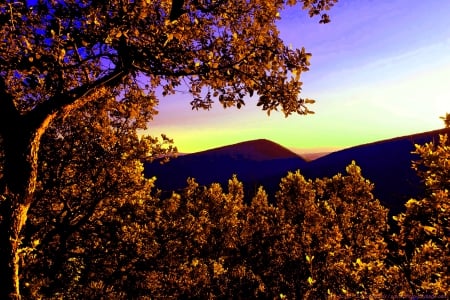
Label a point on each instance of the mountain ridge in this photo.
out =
(386, 163)
(258, 149)
(413, 137)
(250, 161)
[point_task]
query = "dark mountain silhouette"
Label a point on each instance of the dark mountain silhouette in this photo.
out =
(314, 155)
(386, 163)
(251, 161)
(256, 150)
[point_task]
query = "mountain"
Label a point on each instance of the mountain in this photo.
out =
(386, 163)
(313, 155)
(252, 161)
(256, 150)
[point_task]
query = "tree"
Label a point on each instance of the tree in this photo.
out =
(88, 215)
(196, 237)
(355, 267)
(423, 248)
(446, 120)
(265, 244)
(57, 56)
(339, 228)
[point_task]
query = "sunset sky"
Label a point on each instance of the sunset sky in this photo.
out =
(380, 69)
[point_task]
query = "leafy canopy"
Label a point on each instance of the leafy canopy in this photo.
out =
(323, 238)
(87, 223)
(60, 56)
(424, 235)
(446, 120)
(222, 49)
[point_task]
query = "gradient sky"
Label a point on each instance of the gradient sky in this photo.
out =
(380, 69)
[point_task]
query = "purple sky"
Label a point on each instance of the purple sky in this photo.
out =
(380, 69)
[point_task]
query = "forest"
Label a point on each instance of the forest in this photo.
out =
(101, 229)
(78, 218)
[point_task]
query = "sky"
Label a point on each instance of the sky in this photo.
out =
(379, 70)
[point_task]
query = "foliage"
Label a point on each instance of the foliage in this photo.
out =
(78, 78)
(423, 238)
(91, 205)
(332, 218)
(197, 239)
(230, 49)
(323, 238)
(59, 56)
(305, 246)
(265, 246)
(434, 164)
(446, 120)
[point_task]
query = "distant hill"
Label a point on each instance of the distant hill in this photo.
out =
(386, 163)
(256, 150)
(313, 155)
(252, 161)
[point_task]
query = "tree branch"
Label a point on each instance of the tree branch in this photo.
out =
(68, 101)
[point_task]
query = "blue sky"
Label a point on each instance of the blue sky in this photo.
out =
(380, 69)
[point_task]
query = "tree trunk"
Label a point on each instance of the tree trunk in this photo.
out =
(12, 224)
(19, 182)
(20, 137)
(20, 145)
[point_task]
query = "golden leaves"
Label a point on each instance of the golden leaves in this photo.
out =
(321, 238)
(423, 226)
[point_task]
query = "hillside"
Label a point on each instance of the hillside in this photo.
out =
(252, 161)
(256, 150)
(386, 163)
